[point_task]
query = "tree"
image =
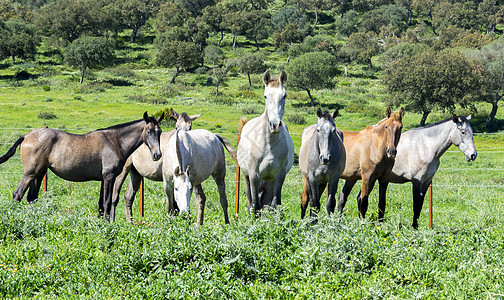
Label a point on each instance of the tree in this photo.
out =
(181, 55)
(214, 54)
(313, 70)
(136, 13)
(491, 59)
(18, 39)
(89, 52)
(251, 63)
(362, 46)
(433, 80)
(257, 25)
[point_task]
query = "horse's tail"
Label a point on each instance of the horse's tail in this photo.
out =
(229, 148)
(241, 123)
(11, 151)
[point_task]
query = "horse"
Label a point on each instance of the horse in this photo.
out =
(98, 155)
(139, 166)
(266, 150)
(370, 157)
(190, 158)
(321, 161)
(418, 155)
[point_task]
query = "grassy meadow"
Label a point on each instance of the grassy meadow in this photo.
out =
(57, 247)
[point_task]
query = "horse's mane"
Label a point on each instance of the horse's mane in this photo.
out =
(119, 126)
(440, 122)
(326, 115)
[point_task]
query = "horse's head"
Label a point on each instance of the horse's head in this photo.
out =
(463, 137)
(151, 135)
(184, 121)
(325, 130)
(393, 127)
(182, 188)
(274, 96)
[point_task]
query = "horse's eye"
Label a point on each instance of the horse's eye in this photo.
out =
(148, 131)
(265, 97)
(386, 126)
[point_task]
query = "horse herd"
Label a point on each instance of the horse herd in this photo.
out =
(184, 158)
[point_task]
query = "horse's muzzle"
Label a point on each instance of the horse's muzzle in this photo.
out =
(156, 156)
(324, 159)
(472, 157)
(391, 153)
(275, 127)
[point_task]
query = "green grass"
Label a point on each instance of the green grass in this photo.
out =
(57, 247)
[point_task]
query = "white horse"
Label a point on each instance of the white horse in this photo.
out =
(418, 155)
(266, 150)
(139, 166)
(190, 158)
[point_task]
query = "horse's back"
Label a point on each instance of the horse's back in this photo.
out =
(142, 159)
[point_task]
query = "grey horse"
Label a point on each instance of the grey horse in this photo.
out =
(266, 150)
(321, 161)
(418, 154)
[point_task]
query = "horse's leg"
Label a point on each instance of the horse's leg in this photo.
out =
(255, 183)
(248, 194)
(170, 198)
(363, 197)
(220, 180)
(382, 202)
(313, 185)
(277, 190)
(22, 187)
(34, 189)
(101, 210)
(117, 188)
(108, 187)
(419, 191)
(332, 190)
(200, 201)
(305, 198)
(343, 196)
(129, 196)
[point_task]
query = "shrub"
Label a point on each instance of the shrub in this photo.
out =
(44, 115)
(93, 87)
(250, 111)
(246, 94)
(46, 88)
(295, 119)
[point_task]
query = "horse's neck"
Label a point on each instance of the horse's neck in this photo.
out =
(264, 124)
(439, 137)
(381, 142)
(130, 137)
(186, 148)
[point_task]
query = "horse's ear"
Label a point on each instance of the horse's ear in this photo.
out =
(283, 77)
(401, 112)
(188, 170)
(335, 113)
(174, 114)
(177, 171)
(388, 112)
(194, 117)
(160, 118)
(266, 77)
(455, 119)
(319, 113)
(146, 117)
(468, 117)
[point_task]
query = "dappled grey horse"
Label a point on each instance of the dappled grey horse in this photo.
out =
(321, 161)
(266, 150)
(418, 155)
(97, 155)
(190, 158)
(139, 166)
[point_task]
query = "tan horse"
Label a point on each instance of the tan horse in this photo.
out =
(266, 150)
(97, 155)
(370, 156)
(139, 166)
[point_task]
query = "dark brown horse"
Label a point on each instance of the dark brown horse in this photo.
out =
(97, 155)
(370, 156)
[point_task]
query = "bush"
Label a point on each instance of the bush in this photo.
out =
(44, 115)
(295, 119)
(46, 88)
(93, 87)
(246, 94)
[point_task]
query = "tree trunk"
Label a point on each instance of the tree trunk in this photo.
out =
(177, 72)
(217, 89)
(370, 64)
(83, 71)
(133, 35)
(13, 59)
(311, 98)
(221, 38)
(316, 18)
(492, 114)
(234, 42)
(346, 70)
(424, 118)
(257, 45)
(250, 82)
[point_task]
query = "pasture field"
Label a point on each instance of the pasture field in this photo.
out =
(57, 247)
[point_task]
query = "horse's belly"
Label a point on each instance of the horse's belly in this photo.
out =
(78, 173)
(149, 169)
